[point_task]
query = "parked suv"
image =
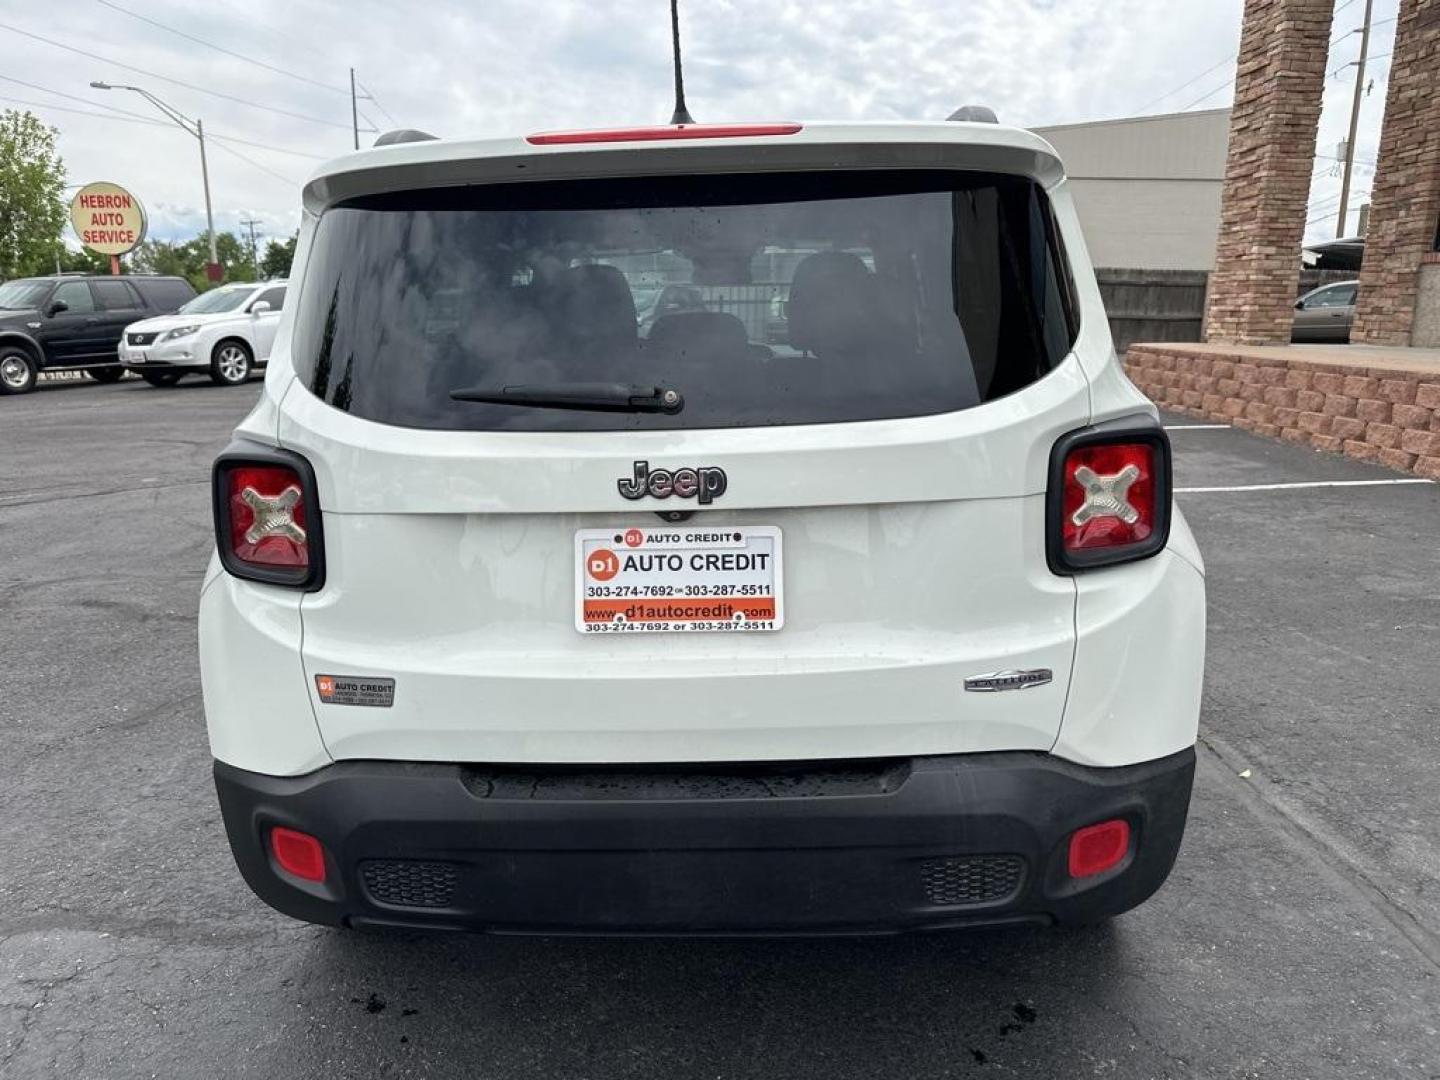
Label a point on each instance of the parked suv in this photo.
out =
(227, 332)
(524, 620)
(73, 322)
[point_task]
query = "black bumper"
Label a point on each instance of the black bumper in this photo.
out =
(848, 847)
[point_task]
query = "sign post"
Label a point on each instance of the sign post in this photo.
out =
(107, 220)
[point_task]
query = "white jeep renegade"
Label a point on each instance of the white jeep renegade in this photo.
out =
(848, 596)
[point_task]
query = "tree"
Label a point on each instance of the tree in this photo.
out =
(32, 212)
(187, 259)
(278, 257)
(91, 262)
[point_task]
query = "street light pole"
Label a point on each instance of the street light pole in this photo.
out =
(196, 129)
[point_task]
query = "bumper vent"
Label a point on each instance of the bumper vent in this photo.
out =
(777, 780)
(971, 879)
(409, 882)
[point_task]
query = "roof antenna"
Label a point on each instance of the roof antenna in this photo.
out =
(681, 114)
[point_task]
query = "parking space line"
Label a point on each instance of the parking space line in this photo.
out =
(1304, 484)
(1197, 427)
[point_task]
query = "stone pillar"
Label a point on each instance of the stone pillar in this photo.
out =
(1405, 202)
(1279, 81)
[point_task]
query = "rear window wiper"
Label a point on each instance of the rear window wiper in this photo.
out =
(590, 397)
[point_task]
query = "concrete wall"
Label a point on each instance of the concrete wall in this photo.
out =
(1147, 189)
(1149, 224)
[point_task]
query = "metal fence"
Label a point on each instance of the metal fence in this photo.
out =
(760, 306)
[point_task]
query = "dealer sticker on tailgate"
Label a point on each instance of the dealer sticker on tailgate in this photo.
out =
(678, 579)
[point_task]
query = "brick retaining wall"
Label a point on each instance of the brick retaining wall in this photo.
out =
(1388, 414)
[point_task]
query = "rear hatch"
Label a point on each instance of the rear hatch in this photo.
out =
(800, 502)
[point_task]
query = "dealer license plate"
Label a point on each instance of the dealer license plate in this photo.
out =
(678, 579)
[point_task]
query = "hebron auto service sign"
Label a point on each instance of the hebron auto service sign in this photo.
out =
(107, 218)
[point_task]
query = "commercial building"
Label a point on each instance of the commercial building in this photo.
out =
(1147, 188)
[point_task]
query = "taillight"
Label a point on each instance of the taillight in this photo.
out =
(1109, 496)
(661, 132)
(267, 519)
(267, 516)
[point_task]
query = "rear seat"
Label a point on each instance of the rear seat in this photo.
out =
(701, 337)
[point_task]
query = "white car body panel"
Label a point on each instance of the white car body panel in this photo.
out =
(262, 722)
(871, 661)
(914, 551)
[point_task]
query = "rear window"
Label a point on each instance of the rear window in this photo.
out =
(762, 299)
(164, 294)
(115, 295)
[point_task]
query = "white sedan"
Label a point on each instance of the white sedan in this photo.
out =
(226, 332)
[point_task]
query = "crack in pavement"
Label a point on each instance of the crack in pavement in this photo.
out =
(47, 988)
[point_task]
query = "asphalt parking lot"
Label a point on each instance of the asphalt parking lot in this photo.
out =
(1299, 935)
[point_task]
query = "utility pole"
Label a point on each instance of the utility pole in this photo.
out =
(250, 223)
(1354, 120)
(355, 105)
(213, 271)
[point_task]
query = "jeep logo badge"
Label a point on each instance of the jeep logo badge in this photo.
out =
(707, 483)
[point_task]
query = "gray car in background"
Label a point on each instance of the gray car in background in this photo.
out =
(1326, 313)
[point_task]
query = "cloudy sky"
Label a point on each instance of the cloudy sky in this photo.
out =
(270, 78)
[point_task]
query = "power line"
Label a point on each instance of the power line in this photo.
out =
(160, 123)
(83, 112)
(1202, 97)
(1348, 33)
(145, 119)
(219, 48)
(220, 141)
(1328, 204)
(1352, 63)
(175, 82)
(373, 126)
(1359, 200)
(1229, 59)
(290, 41)
(370, 94)
(266, 146)
(255, 164)
(1188, 82)
(82, 100)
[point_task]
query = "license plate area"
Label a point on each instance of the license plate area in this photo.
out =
(679, 579)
